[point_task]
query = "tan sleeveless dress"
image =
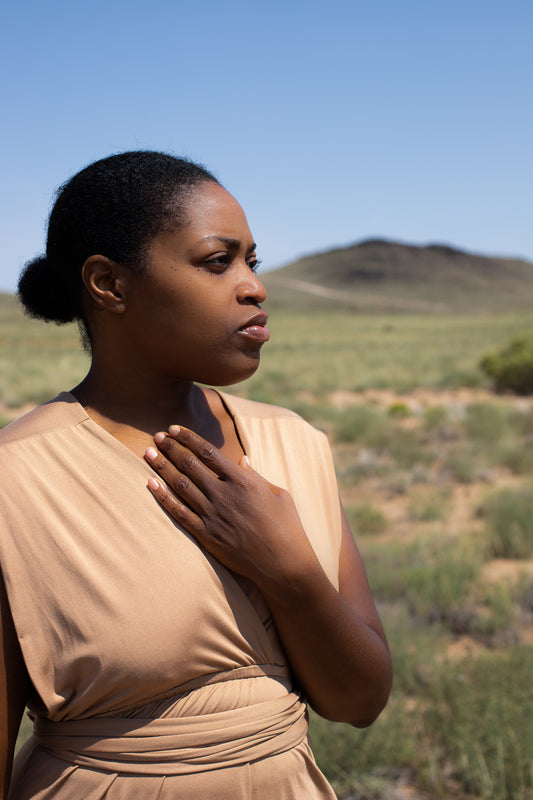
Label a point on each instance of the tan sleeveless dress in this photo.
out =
(156, 672)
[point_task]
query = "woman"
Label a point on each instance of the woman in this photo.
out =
(171, 595)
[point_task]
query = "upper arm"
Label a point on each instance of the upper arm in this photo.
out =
(14, 685)
(353, 582)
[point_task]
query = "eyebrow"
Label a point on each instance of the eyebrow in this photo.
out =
(233, 244)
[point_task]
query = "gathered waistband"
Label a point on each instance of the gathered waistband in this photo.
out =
(177, 745)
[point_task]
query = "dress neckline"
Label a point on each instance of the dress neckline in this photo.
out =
(225, 399)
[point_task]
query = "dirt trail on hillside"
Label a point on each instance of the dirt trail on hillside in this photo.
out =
(358, 298)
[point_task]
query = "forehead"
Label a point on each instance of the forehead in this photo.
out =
(212, 209)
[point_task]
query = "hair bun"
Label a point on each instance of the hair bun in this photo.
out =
(111, 208)
(41, 293)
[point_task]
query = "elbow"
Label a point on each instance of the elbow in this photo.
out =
(361, 707)
(367, 712)
(360, 712)
(358, 717)
(369, 716)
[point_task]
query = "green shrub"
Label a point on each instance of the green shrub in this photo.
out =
(366, 520)
(526, 594)
(362, 424)
(360, 763)
(497, 614)
(435, 592)
(511, 369)
(462, 464)
(480, 720)
(518, 457)
(407, 448)
(485, 422)
(523, 421)
(434, 581)
(459, 377)
(469, 735)
(509, 516)
(399, 410)
(429, 504)
(435, 417)
(415, 648)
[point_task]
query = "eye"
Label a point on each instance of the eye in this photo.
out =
(254, 263)
(218, 262)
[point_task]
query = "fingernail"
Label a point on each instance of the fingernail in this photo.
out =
(154, 485)
(174, 430)
(150, 453)
(159, 437)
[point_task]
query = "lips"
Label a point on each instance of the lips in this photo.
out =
(255, 328)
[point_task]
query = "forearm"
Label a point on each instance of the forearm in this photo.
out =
(341, 662)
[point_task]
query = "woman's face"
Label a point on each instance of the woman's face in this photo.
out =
(194, 313)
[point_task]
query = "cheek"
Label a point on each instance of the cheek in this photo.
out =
(202, 331)
(187, 310)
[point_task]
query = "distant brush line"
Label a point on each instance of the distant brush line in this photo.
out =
(355, 299)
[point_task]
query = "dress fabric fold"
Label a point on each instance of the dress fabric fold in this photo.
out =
(178, 745)
(156, 672)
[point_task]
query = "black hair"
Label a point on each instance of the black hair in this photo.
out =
(111, 208)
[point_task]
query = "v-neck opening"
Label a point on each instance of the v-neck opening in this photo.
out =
(243, 443)
(225, 399)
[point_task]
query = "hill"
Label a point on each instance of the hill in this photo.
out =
(378, 275)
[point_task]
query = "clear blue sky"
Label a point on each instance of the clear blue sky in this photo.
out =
(330, 122)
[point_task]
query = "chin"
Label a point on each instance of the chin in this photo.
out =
(231, 377)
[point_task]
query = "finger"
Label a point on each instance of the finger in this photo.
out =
(181, 485)
(179, 511)
(186, 462)
(206, 452)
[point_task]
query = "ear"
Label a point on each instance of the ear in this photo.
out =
(106, 283)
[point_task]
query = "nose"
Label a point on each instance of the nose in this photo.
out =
(251, 289)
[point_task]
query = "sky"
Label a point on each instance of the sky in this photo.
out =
(330, 122)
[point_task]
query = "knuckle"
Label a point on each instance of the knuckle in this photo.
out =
(247, 481)
(180, 511)
(188, 463)
(182, 484)
(208, 452)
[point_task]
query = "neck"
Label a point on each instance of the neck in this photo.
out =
(140, 404)
(134, 407)
(133, 402)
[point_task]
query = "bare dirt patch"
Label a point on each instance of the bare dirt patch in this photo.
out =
(419, 400)
(507, 569)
